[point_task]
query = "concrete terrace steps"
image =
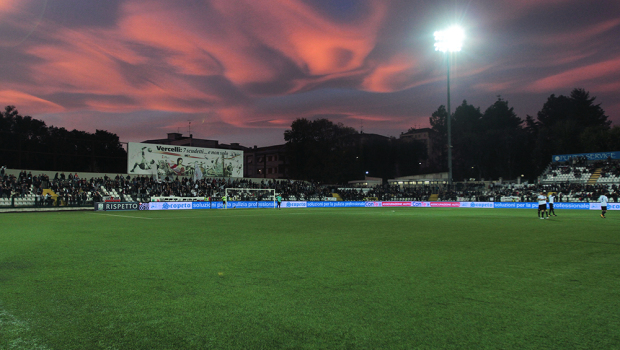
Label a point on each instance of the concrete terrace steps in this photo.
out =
(594, 177)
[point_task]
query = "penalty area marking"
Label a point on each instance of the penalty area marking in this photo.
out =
(16, 332)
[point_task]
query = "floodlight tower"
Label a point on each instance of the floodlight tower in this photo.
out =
(449, 41)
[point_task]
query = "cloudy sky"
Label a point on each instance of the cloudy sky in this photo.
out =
(243, 70)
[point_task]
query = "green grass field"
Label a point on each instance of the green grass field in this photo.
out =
(368, 278)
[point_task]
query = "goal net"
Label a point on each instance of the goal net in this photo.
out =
(252, 195)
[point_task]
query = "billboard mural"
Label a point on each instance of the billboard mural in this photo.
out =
(173, 161)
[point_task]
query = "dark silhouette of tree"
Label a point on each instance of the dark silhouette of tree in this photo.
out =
(27, 143)
(467, 142)
(314, 148)
(566, 124)
(503, 142)
(322, 151)
(485, 145)
(438, 121)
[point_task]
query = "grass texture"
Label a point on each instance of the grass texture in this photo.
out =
(363, 278)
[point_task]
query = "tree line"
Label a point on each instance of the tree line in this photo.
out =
(320, 150)
(486, 145)
(28, 143)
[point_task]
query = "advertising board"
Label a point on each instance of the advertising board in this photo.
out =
(115, 206)
(344, 204)
(170, 205)
(484, 205)
(171, 160)
(445, 204)
(589, 156)
(395, 204)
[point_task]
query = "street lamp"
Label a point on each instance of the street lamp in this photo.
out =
(448, 41)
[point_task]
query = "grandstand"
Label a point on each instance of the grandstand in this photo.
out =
(582, 178)
(575, 179)
(582, 169)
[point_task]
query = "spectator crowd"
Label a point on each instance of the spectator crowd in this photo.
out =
(72, 190)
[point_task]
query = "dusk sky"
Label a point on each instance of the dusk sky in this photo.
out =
(243, 70)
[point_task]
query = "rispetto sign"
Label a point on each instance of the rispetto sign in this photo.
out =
(112, 206)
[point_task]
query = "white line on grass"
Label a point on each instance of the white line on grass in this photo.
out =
(232, 216)
(535, 269)
(126, 216)
(16, 332)
(304, 212)
(216, 216)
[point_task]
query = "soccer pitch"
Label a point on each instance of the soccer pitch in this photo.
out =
(364, 278)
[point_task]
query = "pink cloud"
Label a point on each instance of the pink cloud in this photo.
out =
(578, 35)
(280, 122)
(88, 62)
(494, 87)
(575, 76)
(304, 37)
(613, 87)
(503, 10)
(219, 58)
(18, 20)
(374, 118)
(10, 7)
(35, 104)
(394, 74)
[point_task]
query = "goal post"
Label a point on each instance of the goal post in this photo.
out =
(252, 195)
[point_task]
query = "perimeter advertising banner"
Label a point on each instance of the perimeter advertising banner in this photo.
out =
(351, 204)
(170, 160)
(589, 156)
(108, 206)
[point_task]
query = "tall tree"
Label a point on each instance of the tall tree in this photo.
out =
(485, 145)
(504, 141)
(316, 149)
(561, 123)
(467, 142)
(27, 143)
(333, 153)
(438, 121)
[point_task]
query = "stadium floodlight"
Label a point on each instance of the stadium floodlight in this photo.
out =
(448, 41)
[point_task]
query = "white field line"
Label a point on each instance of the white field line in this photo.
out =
(16, 332)
(125, 216)
(302, 211)
(536, 270)
(210, 216)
